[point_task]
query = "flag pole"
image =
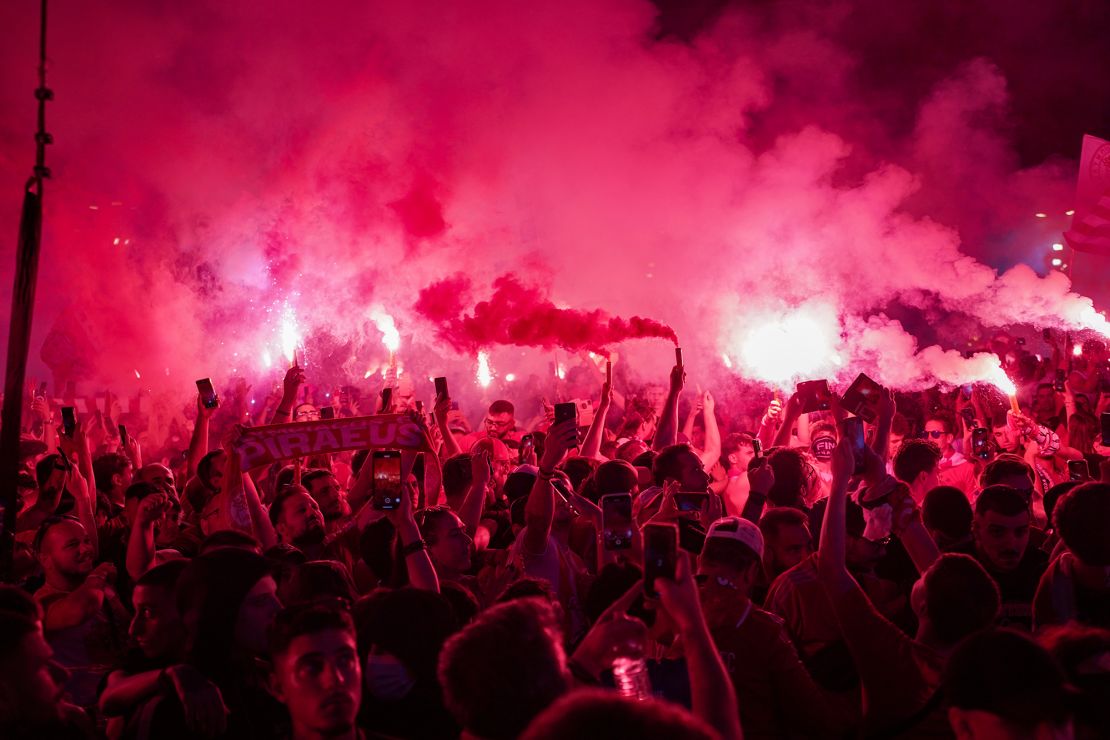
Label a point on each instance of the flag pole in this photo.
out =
(23, 301)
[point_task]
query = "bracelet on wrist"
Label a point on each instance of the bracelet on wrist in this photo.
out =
(413, 547)
(546, 474)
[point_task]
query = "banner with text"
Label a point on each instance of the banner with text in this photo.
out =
(261, 446)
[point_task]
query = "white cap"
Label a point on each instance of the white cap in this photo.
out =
(741, 530)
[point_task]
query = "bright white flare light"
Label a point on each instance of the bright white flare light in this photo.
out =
(727, 360)
(997, 377)
(484, 374)
(290, 335)
(780, 349)
(1092, 319)
(510, 377)
(1077, 350)
(391, 338)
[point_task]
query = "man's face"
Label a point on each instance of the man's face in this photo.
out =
(306, 412)
(156, 627)
(257, 611)
(935, 431)
(742, 457)
(1002, 539)
(31, 682)
(216, 472)
(67, 550)
(655, 396)
(301, 522)
(692, 476)
(123, 479)
(1005, 438)
(159, 475)
(499, 425)
(895, 441)
(331, 497)
(451, 546)
(319, 680)
(791, 545)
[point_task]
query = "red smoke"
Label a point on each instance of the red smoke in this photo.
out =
(787, 155)
(521, 315)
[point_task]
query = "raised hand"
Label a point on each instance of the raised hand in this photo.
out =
(152, 509)
(561, 438)
(708, 403)
(678, 378)
(294, 379)
(680, 596)
(761, 476)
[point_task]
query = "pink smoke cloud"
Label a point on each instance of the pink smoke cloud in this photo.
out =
(252, 156)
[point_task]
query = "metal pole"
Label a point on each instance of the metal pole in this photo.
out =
(23, 302)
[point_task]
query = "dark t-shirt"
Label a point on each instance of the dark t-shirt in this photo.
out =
(776, 695)
(1016, 587)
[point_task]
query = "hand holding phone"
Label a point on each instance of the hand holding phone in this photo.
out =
(386, 479)
(851, 429)
(862, 398)
(566, 412)
(441, 388)
(814, 395)
(1078, 470)
(69, 421)
(690, 502)
(616, 521)
(660, 555)
(980, 443)
(207, 393)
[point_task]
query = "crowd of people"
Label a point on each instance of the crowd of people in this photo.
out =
(947, 574)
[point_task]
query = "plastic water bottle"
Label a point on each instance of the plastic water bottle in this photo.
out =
(631, 677)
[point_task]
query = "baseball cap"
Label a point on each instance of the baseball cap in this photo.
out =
(740, 530)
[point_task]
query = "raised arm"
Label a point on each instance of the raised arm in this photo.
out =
(450, 444)
(260, 517)
(294, 379)
(712, 452)
(714, 699)
(422, 573)
(790, 416)
(666, 433)
(539, 511)
(140, 542)
(198, 442)
(887, 408)
(591, 446)
(470, 511)
(768, 425)
(831, 562)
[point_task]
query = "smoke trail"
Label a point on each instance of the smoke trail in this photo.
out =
(520, 315)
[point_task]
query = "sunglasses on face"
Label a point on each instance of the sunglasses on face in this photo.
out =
(934, 434)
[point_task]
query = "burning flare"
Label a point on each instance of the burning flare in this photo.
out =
(289, 333)
(391, 338)
(484, 374)
(780, 349)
